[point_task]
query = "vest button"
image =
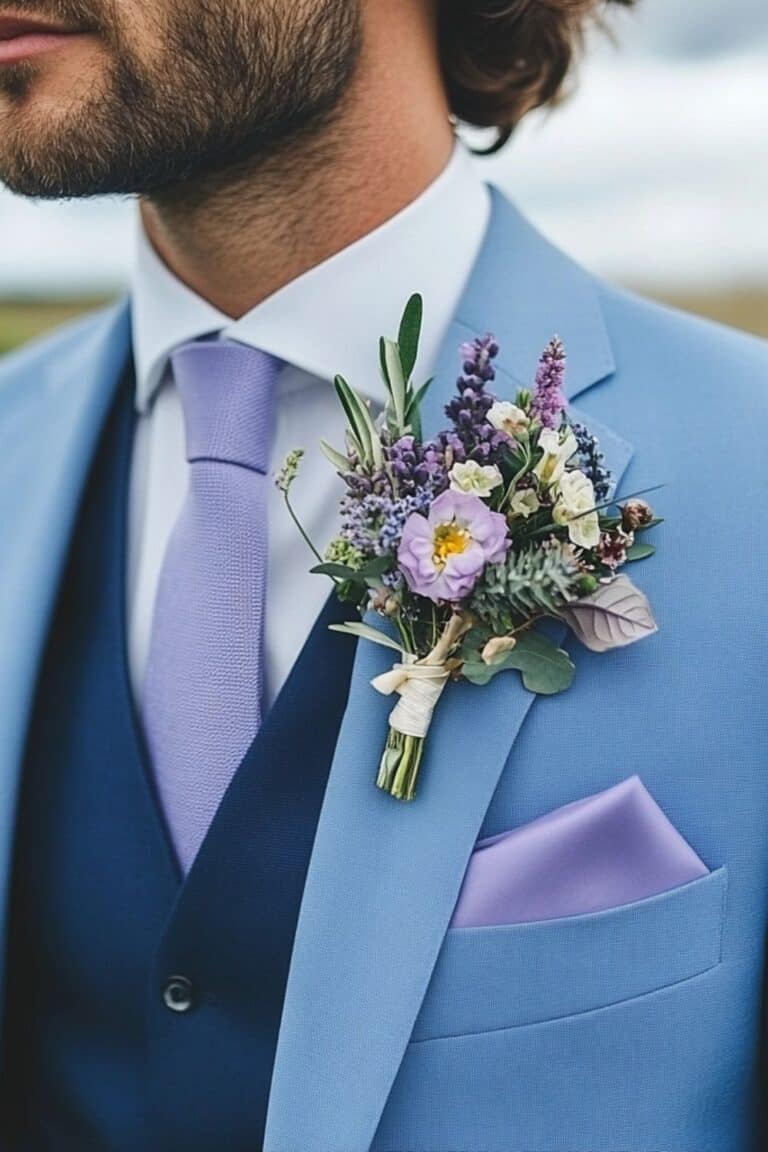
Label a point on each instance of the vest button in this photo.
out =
(178, 994)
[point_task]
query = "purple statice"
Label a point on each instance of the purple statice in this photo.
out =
(361, 514)
(375, 508)
(374, 523)
(591, 462)
(548, 397)
(472, 437)
(396, 513)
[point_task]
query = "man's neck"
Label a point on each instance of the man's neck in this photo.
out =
(236, 237)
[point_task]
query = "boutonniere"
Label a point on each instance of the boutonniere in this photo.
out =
(463, 543)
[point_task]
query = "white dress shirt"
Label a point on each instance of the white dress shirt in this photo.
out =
(327, 321)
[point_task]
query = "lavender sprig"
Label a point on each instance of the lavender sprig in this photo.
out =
(548, 397)
(473, 438)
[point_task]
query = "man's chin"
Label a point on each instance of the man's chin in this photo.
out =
(46, 118)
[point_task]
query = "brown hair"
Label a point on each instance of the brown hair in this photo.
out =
(501, 58)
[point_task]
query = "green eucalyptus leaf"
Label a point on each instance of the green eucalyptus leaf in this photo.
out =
(410, 333)
(377, 567)
(545, 668)
(478, 672)
(351, 593)
(338, 572)
(473, 643)
(640, 552)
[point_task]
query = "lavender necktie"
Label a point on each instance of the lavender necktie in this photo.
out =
(203, 690)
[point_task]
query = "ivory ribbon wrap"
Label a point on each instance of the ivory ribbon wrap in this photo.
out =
(420, 683)
(420, 687)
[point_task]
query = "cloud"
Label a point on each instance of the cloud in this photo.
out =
(686, 28)
(657, 171)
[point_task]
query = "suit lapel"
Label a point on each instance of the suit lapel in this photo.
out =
(384, 877)
(51, 413)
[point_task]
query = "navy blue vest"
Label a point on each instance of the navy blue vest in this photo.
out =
(93, 1058)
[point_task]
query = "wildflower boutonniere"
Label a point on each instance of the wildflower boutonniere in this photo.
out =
(464, 542)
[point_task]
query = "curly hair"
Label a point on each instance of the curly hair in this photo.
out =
(502, 58)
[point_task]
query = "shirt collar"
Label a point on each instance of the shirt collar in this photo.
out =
(329, 320)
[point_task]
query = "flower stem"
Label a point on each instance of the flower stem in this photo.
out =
(513, 482)
(400, 763)
(300, 527)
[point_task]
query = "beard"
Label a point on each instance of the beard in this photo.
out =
(226, 83)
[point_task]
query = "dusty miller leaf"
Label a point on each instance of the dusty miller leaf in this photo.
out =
(616, 615)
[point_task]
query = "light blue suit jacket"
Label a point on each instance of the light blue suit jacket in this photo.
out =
(633, 1030)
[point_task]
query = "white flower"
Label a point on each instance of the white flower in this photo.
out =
(556, 455)
(508, 417)
(576, 507)
(524, 503)
(476, 479)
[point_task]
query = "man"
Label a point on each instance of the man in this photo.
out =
(219, 933)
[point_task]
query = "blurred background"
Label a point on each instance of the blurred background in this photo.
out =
(654, 174)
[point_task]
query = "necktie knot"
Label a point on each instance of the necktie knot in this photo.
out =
(228, 395)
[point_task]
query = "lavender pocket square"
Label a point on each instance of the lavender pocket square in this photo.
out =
(601, 852)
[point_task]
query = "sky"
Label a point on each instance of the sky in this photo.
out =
(655, 173)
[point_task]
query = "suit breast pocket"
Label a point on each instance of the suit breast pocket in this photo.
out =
(509, 976)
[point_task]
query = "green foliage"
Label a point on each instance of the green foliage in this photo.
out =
(361, 426)
(529, 583)
(401, 414)
(357, 574)
(640, 552)
(413, 411)
(410, 334)
(338, 459)
(397, 361)
(341, 552)
(545, 668)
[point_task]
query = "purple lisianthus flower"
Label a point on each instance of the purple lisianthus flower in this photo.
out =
(443, 554)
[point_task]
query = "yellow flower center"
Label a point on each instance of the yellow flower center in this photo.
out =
(449, 540)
